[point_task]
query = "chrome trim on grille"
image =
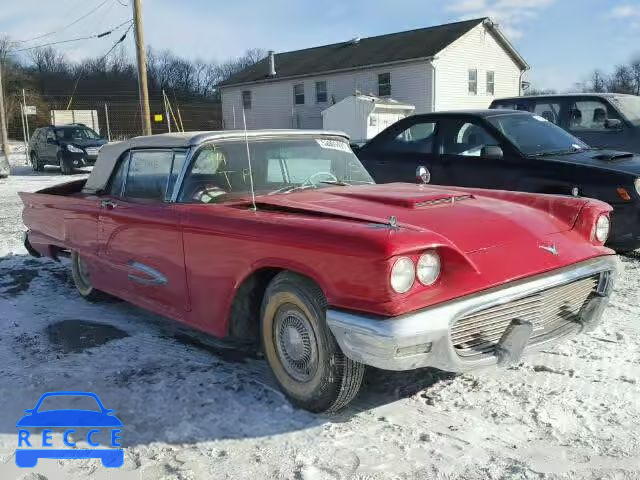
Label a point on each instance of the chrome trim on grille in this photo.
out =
(479, 332)
(383, 342)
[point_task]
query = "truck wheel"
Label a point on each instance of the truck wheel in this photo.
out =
(65, 167)
(82, 281)
(35, 163)
(301, 350)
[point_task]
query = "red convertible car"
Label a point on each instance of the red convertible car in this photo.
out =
(283, 237)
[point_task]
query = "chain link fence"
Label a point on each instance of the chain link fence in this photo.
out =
(115, 116)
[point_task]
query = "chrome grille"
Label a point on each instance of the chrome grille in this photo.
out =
(92, 151)
(548, 310)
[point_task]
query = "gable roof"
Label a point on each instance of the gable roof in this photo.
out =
(384, 49)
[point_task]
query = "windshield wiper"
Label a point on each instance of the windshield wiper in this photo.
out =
(291, 189)
(335, 182)
(558, 152)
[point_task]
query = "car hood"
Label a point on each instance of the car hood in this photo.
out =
(86, 143)
(609, 159)
(69, 418)
(471, 222)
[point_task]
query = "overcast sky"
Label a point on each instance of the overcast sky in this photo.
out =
(563, 40)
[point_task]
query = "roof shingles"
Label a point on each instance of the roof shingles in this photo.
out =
(394, 47)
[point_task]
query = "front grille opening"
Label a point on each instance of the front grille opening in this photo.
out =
(550, 311)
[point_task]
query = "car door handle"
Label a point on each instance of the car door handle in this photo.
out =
(108, 204)
(152, 277)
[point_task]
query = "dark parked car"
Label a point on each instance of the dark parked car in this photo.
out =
(602, 119)
(509, 150)
(68, 146)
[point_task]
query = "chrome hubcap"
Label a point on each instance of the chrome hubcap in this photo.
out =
(295, 344)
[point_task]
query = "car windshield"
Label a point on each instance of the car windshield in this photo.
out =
(63, 402)
(630, 108)
(221, 171)
(534, 135)
(78, 133)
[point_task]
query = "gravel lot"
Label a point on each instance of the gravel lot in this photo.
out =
(193, 409)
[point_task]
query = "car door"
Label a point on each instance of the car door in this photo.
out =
(139, 233)
(48, 147)
(463, 162)
(588, 120)
(397, 152)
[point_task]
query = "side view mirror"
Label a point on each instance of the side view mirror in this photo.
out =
(492, 152)
(423, 176)
(613, 124)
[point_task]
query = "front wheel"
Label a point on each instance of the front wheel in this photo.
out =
(82, 280)
(65, 167)
(301, 350)
(35, 163)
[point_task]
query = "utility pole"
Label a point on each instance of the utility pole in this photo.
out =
(142, 67)
(4, 138)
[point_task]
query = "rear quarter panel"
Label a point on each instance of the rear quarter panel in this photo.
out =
(65, 221)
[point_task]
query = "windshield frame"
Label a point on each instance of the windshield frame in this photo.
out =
(62, 128)
(192, 155)
(620, 104)
(506, 113)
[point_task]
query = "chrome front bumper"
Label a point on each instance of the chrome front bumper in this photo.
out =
(422, 338)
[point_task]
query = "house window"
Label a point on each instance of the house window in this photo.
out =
(321, 92)
(384, 85)
(298, 94)
(473, 81)
(491, 85)
(246, 99)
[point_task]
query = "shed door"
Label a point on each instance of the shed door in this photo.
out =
(379, 121)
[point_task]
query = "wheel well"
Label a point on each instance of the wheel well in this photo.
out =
(244, 320)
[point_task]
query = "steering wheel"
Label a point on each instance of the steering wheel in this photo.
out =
(309, 179)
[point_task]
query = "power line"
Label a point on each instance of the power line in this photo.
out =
(66, 26)
(113, 47)
(99, 35)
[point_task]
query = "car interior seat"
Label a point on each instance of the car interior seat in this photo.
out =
(599, 117)
(576, 118)
(548, 115)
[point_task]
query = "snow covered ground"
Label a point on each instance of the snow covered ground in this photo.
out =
(193, 410)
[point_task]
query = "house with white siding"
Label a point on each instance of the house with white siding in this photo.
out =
(455, 66)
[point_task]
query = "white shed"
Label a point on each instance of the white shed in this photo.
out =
(364, 116)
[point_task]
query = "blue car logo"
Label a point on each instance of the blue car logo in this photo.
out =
(66, 418)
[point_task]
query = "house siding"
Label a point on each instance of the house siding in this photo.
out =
(477, 49)
(273, 102)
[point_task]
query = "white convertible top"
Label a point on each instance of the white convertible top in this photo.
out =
(110, 153)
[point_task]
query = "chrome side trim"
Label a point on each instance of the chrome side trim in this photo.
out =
(152, 276)
(383, 343)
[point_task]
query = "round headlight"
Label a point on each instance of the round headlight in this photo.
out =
(602, 228)
(428, 268)
(637, 185)
(403, 274)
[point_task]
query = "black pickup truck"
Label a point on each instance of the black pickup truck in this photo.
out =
(509, 150)
(607, 120)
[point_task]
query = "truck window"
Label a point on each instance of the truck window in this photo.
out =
(550, 111)
(590, 115)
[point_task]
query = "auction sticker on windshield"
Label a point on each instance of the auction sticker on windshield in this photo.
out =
(37, 438)
(333, 145)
